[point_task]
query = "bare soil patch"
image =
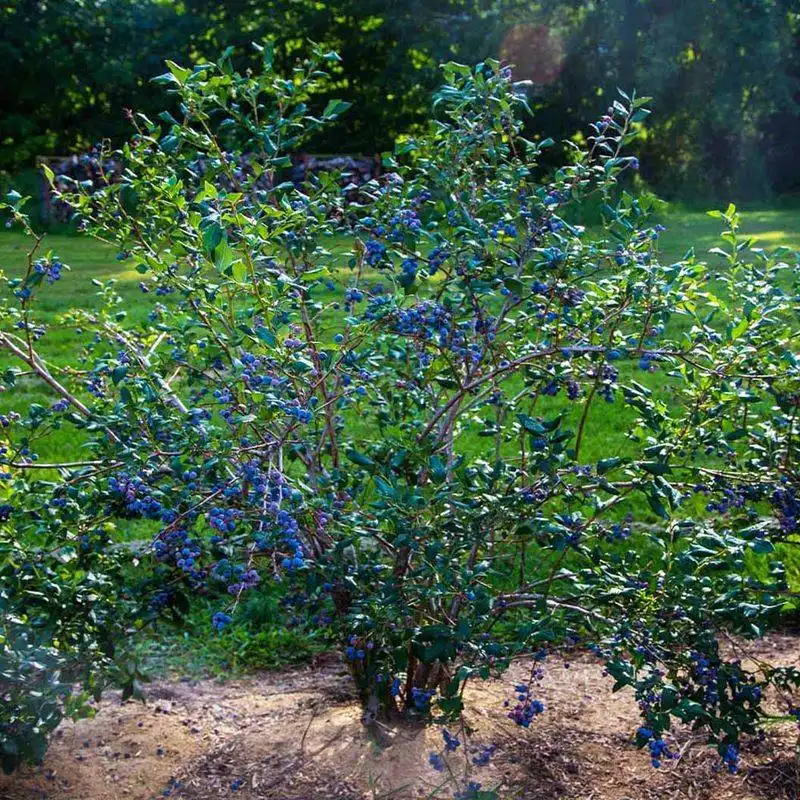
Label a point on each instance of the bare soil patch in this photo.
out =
(297, 735)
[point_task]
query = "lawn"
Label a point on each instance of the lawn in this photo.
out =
(90, 260)
(93, 262)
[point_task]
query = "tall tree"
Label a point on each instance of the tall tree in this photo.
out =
(72, 67)
(719, 70)
(724, 73)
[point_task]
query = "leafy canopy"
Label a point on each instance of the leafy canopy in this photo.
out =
(396, 406)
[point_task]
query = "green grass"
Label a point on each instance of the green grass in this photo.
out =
(770, 228)
(88, 260)
(93, 261)
(258, 639)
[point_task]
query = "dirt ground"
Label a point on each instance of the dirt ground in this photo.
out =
(297, 735)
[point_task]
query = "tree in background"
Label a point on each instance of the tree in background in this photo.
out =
(391, 51)
(79, 64)
(73, 67)
(723, 72)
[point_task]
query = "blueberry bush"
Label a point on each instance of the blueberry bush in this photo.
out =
(397, 409)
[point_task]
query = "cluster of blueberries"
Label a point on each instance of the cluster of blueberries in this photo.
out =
(621, 530)
(730, 758)
(504, 228)
(436, 258)
(608, 382)
(659, 750)
(220, 621)
(787, 505)
(784, 501)
(49, 267)
(265, 492)
(136, 494)
(357, 650)
(404, 221)
(527, 707)
(96, 386)
(431, 322)
(237, 577)
(480, 757)
(421, 699)
(224, 519)
(469, 792)
(174, 544)
(374, 252)
(730, 498)
(704, 674)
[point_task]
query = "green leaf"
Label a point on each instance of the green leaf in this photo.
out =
(335, 108)
(223, 256)
(735, 435)
(359, 458)
(384, 487)
(438, 469)
(688, 710)
(266, 335)
(515, 286)
(240, 273)
(169, 144)
(530, 424)
(654, 467)
(739, 329)
(180, 73)
(212, 236)
(669, 696)
(314, 274)
(655, 502)
(607, 464)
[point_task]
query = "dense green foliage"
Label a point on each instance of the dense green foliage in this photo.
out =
(725, 75)
(80, 63)
(724, 72)
(64, 603)
(268, 426)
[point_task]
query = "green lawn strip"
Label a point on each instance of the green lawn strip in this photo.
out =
(94, 261)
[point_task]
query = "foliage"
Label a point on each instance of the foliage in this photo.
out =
(63, 625)
(725, 75)
(80, 63)
(266, 633)
(272, 428)
(725, 72)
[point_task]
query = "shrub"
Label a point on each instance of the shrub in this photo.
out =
(452, 423)
(65, 617)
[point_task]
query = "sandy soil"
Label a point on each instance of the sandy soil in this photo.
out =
(297, 735)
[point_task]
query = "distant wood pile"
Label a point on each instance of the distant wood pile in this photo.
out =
(92, 173)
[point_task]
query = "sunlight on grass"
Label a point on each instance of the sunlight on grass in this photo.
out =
(90, 260)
